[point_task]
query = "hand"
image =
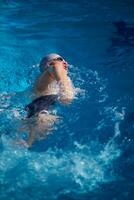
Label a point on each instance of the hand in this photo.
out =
(21, 143)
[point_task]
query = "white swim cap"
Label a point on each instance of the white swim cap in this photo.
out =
(46, 59)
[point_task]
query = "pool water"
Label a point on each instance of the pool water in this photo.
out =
(90, 153)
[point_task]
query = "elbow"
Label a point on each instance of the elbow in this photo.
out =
(66, 100)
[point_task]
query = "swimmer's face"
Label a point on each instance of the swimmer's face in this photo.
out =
(51, 59)
(60, 60)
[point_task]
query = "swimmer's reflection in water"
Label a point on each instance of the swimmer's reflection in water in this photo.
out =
(54, 85)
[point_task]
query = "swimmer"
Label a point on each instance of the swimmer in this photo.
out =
(54, 85)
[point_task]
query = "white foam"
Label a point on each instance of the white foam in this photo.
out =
(79, 167)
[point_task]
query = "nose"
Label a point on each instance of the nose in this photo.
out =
(65, 63)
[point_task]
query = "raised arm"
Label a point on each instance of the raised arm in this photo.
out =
(66, 88)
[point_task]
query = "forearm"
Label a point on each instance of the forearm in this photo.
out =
(65, 85)
(66, 90)
(31, 138)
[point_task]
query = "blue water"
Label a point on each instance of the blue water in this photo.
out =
(89, 156)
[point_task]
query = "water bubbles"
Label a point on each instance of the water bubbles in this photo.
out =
(36, 65)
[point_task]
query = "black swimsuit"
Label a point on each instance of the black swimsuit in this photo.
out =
(41, 104)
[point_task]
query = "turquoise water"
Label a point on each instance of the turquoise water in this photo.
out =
(90, 153)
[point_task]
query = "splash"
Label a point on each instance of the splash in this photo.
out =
(59, 172)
